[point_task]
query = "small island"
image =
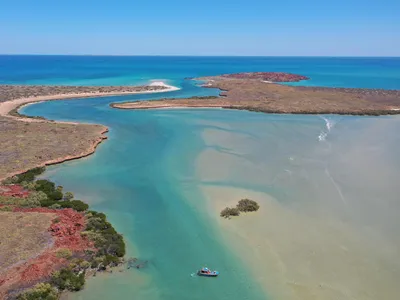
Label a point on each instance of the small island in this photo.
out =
(268, 76)
(244, 205)
(260, 92)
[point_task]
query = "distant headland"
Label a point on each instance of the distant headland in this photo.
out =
(260, 92)
(268, 76)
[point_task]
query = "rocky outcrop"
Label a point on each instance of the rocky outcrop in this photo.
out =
(268, 76)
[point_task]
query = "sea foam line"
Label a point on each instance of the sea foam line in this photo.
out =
(329, 124)
(338, 189)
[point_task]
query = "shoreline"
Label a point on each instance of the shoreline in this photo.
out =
(89, 152)
(9, 105)
(141, 106)
(255, 95)
(164, 106)
(9, 111)
(65, 233)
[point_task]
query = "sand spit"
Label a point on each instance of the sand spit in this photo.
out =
(30, 142)
(255, 95)
(165, 105)
(14, 96)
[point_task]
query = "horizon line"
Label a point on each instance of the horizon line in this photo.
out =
(188, 55)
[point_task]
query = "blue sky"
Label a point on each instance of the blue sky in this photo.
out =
(177, 27)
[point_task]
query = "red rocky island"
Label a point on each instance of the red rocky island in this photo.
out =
(268, 76)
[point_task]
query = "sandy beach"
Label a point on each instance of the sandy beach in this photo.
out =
(9, 105)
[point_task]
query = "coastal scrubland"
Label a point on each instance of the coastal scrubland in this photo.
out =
(58, 240)
(254, 94)
(29, 142)
(25, 145)
(12, 92)
(53, 240)
(27, 236)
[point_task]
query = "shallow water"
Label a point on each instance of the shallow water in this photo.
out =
(327, 185)
(328, 223)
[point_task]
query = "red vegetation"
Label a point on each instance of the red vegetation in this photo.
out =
(268, 76)
(13, 190)
(66, 232)
(66, 228)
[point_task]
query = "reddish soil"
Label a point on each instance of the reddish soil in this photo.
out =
(13, 190)
(268, 76)
(66, 232)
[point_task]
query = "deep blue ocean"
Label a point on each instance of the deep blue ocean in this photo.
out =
(127, 70)
(327, 185)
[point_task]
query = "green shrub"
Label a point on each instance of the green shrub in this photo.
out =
(64, 253)
(106, 239)
(29, 175)
(41, 291)
(56, 195)
(93, 236)
(30, 185)
(35, 199)
(30, 201)
(55, 206)
(247, 205)
(77, 205)
(6, 208)
(66, 279)
(110, 260)
(49, 189)
(10, 180)
(8, 200)
(227, 212)
(68, 196)
(79, 264)
(48, 203)
(45, 186)
(92, 213)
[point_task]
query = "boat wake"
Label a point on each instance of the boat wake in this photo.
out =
(329, 124)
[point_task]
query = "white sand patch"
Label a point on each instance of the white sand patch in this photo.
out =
(170, 88)
(7, 106)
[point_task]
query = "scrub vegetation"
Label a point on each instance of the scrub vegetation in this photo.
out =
(107, 245)
(244, 205)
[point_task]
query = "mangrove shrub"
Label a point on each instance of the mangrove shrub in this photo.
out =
(247, 205)
(67, 279)
(28, 175)
(227, 212)
(41, 291)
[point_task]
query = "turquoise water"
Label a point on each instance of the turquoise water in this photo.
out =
(148, 177)
(123, 70)
(139, 178)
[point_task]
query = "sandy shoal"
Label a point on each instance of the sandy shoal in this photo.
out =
(297, 256)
